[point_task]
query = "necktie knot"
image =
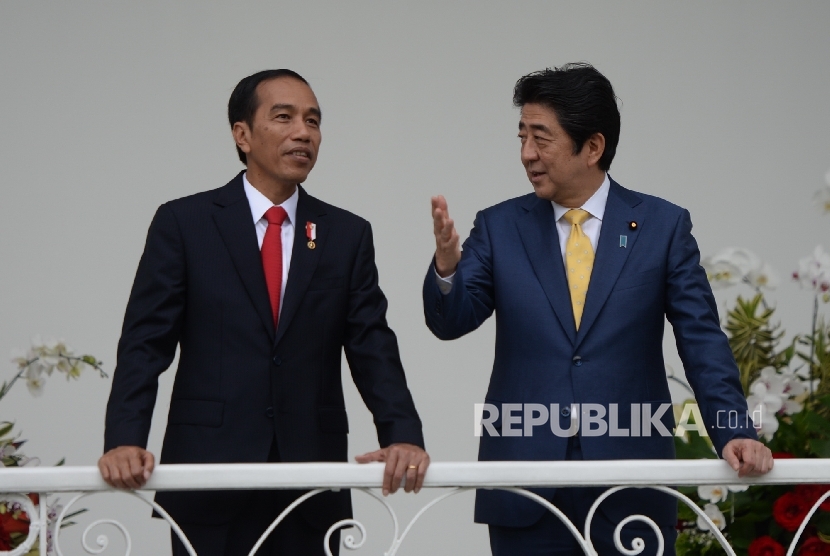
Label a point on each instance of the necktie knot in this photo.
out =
(576, 217)
(276, 215)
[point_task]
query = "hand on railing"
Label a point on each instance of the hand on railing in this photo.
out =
(748, 457)
(127, 467)
(402, 460)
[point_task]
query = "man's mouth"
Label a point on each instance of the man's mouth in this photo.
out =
(535, 176)
(300, 154)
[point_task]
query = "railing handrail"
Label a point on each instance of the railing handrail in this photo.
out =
(440, 475)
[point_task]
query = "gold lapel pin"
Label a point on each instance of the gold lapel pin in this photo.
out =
(311, 234)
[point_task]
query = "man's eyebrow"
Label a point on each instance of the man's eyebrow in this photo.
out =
(279, 106)
(282, 107)
(537, 127)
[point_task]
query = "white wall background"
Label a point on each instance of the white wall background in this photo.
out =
(109, 109)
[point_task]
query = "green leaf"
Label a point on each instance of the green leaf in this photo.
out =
(6, 428)
(821, 448)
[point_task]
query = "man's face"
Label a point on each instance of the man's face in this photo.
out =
(548, 155)
(283, 142)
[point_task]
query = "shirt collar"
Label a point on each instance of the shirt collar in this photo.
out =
(595, 206)
(260, 203)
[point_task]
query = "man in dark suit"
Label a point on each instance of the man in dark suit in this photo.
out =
(260, 286)
(581, 275)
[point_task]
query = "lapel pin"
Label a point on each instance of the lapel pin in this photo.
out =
(623, 241)
(632, 225)
(311, 234)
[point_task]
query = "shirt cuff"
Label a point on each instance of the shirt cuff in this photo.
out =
(444, 284)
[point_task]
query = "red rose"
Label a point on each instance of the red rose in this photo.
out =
(790, 510)
(9, 525)
(811, 494)
(765, 546)
(814, 546)
(782, 455)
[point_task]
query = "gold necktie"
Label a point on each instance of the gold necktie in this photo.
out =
(579, 260)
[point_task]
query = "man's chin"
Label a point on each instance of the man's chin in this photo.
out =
(542, 191)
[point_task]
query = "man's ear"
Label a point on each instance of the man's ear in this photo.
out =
(242, 136)
(594, 147)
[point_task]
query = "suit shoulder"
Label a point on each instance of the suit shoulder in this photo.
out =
(340, 214)
(652, 202)
(511, 205)
(205, 198)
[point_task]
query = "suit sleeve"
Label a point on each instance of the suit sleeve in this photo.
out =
(703, 347)
(372, 352)
(471, 300)
(150, 334)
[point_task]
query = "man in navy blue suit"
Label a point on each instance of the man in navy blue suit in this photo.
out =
(581, 275)
(262, 287)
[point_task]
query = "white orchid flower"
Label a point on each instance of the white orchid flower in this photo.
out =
(744, 259)
(763, 277)
(772, 380)
(814, 272)
(34, 378)
(792, 407)
(737, 488)
(713, 493)
(822, 198)
(713, 513)
(721, 274)
(766, 423)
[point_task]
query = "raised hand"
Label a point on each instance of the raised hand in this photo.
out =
(447, 248)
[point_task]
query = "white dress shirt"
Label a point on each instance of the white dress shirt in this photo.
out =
(259, 206)
(595, 206)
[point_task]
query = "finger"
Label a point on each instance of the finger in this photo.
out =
(389, 473)
(377, 455)
(732, 459)
(438, 220)
(400, 471)
(117, 474)
(447, 232)
(149, 465)
(104, 469)
(125, 470)
(441, 203)
(411, 476)
(422, 471)
(136, 463)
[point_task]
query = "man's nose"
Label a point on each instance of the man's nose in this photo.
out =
(300, 131)
(529, 152)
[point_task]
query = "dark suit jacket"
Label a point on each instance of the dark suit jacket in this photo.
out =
(240, 384)
(512, 264)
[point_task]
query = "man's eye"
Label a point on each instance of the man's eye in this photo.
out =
(313, 122)
(282, 117)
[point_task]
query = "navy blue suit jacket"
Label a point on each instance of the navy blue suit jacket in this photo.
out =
(240, 383)
(512, 264)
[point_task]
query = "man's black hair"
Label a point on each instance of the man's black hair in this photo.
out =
(583, 101)
(244, 100)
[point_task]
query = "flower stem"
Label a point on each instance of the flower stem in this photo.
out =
(813, 344)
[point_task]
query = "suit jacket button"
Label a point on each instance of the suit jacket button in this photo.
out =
(269, 412)
(277, 360)
(566, 412)
(577, 361)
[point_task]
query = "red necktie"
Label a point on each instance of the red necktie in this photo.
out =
(272, 257)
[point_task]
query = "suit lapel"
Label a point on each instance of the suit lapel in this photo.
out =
(620, 209)
(303, 259)
(236, 226)
(537, 229)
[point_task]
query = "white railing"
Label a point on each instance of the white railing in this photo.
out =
(15, 483)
